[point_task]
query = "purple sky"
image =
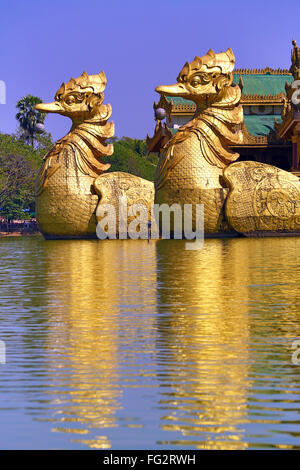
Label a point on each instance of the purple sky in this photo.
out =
(139, 46)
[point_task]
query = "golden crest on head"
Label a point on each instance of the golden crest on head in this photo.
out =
(224, 61)
(96, 82)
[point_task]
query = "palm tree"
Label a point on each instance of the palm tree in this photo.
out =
(31, 121)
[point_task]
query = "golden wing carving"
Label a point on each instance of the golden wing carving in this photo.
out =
(262, 199)
(169, 159)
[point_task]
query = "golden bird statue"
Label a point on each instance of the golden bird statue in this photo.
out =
(196, 165)
(71, 182)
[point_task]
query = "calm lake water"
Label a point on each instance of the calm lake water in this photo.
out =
(130, 345)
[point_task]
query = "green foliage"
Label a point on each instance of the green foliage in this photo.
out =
(29, 118)
(44, 143)
(130, 156)
(12, 145)
(13, 207)
(19, 164)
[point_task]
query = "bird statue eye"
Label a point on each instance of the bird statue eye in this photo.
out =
(195, 81)
(70, 100)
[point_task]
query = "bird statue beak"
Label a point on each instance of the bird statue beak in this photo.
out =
(172, 90)
(53, 107)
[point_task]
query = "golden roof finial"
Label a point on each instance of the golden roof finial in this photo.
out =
(295, 58)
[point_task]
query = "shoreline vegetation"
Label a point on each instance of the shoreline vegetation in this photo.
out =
(17, 228)
(19, 234)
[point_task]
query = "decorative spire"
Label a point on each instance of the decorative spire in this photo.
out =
(295, 57)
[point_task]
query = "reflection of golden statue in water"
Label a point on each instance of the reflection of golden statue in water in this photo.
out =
(216, 308)
(205, 328)
(86, 298)
(199, 323)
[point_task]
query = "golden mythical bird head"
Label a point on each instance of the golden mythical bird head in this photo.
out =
(205, 76)
(78, 99)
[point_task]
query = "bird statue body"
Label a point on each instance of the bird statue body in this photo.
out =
(71, 183)
(197, 166)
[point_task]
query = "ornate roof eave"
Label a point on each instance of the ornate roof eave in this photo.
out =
(263, 141)
(263, 99)
(183, 108)
(253, 140)
(286, 128)
(262, 71)
(161, 135)
(165, 104)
